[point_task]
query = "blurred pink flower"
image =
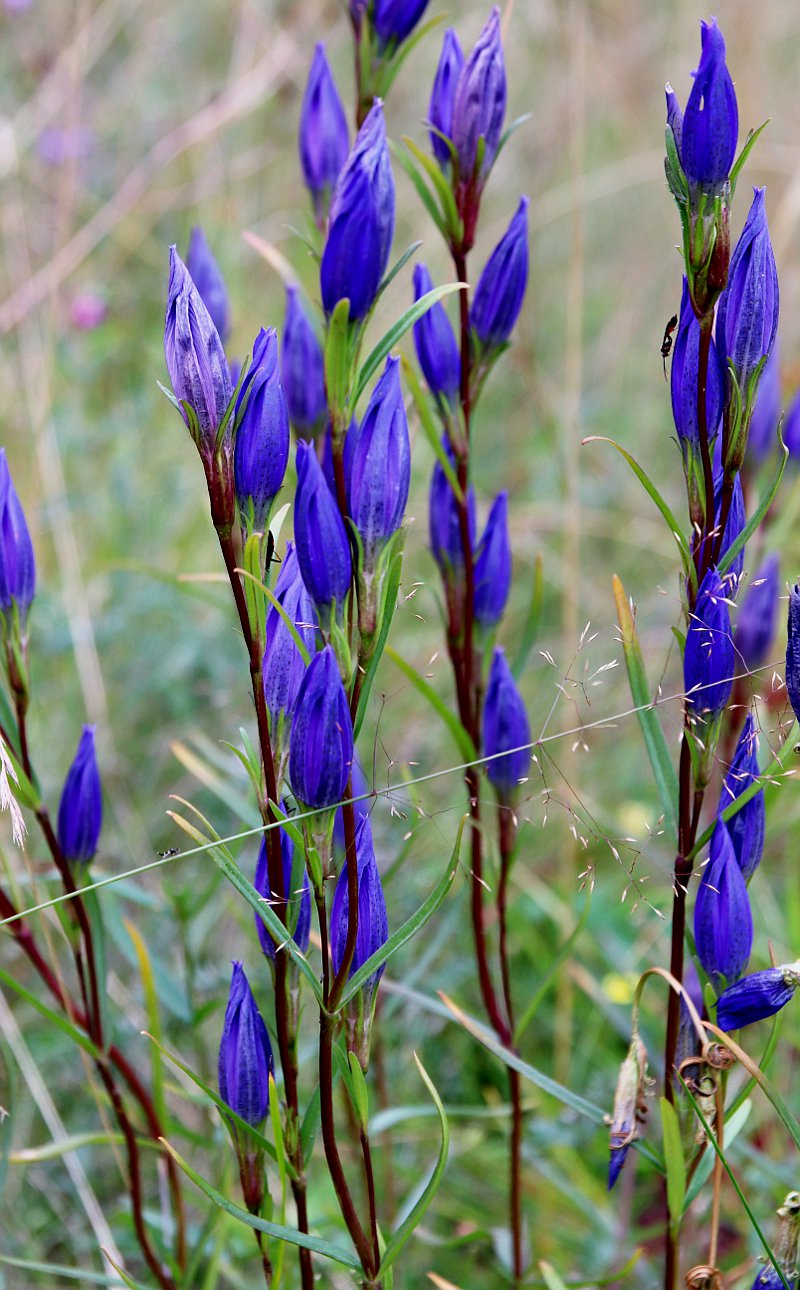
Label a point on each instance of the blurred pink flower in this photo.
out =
(87, 311)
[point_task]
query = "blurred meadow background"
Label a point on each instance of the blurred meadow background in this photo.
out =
(122, 124)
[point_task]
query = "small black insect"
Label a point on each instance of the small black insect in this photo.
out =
(666, 344)
(167, 855)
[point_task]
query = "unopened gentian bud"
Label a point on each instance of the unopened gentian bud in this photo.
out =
(479, 106)
(747, 827)
(261, 450)
(324, 139)
(793, 651)
(436, 344)
(445, 530)
(380, 471)
(629, 1107)
(244, 1068)
(735, 523)
(506, 731)
(295, 907)
(359, 785)
(708, 661)
(394, 20)
(723, 922)
(323, 550)
(17, 563)
(303, 369)
(759, 995)
(501, 286)
(207, 277)
(763, 439)
(321, 752)
(283, 666)
(440, 112)
(493, 566)
(747, 317)
(683, 381)
(80, 811)
(758, 613)
(361, 222)
(371, 935)
(196, 362)
(710, 126)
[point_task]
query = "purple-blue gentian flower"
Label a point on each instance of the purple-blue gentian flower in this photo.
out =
(373, 926)
(361, 222)
(493, 566)
(394, 20)
(759, 995)
(17, 563)
(791, 426)
(747, 315)
(683, 379)
(294, 909)
(631, 1084)
(261, 450)
(736, 521)
(303, 369)
(323, 138)
(445, 528)
(359, 785)
(501, 286)
(479, 105)
(283, 667)
(747, 827)
(708, 660)
(793, 651)
(506, 732)
(321, 752)
(440, 112)
(196, 362)
(80, 811)
(323, 550)
(435, 343)
(763, 439)
(707, 134)
(758, 614)
(245, 1054)
(207, 277)
(380, 469)
(723, 921)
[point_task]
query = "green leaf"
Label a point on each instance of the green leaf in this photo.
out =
(123, 1275)
(531, 629)
(676, 1165)
(432, 434)
(552, 970)
(153, 1016)
(759, 513)
(391, 587)
(54, 1018)
(654, 739)
(7, 1120)
(51, 1270)
(411, 926)
(398, 329)
(423, 191)
(310, 1125)
(314, 1243)
(414, 1218)
(650, 488)
(294, 633)
(405, 49)
(747, 148)
(256, 609)
(551, 1278)
(338, 355)
(358, 1090)
(441, 185)
(512, 129)
(277, 1133)
(733, 1127)
(396, 268)
(462, 739)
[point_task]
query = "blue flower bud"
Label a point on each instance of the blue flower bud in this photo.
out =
(793, 651)
(283, 667)
(737, 519)
(80, 811)
(17, 563)
(674, 116)
(683, 379)
(506, 732)
(435, 343)
(206, 276)
(762, 439)
(361, 222)
(723, 922)
(445, 530)
(479, 106)
(245, 1054)
(261, 451)
(501, 287)
(440, 112)
(323, 550)
(321, 751)
(295, 908)
(708, 660)
(493, 566)
(395, 19)
(373, 925)
(302, 369)
(747, 315)
(324, 139)
(710, 125)
(747, 827)
(759, 995)
(196, 362)
(359, 785)
(758, 613)
(380, 471)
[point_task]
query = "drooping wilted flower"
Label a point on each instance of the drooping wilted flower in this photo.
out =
(321, 751)
(501, 286)
(80, 811)
(435, 343)
(17, 563)
(758, 613)
(493, 566)
(706, 133)
(207, 277)
(723, 921)
(506, 732)
(629, 1106)
(380, 469)
(479, 105)
(708, 661)
(440, 112)
(759, 995)
(261, 451)
(793, 651)
(323, 550)
(196, 362)
(323, 138)
(747, 827)
(294, 908)
(303, 369)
